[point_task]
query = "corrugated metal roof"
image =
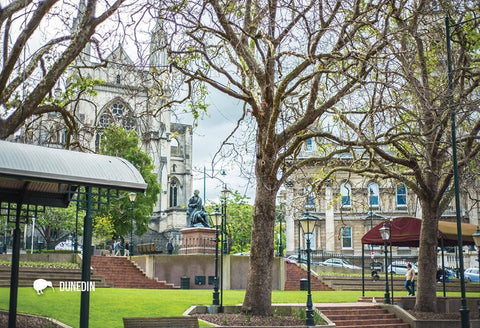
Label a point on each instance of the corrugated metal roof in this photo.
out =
(41, 175)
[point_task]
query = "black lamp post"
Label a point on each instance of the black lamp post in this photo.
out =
(217, 220)
(476, 239)
(370, 195)
(308, 226)
(464, 311)
(132, 196)
(281, 217)
(385, 233)
(225, 192)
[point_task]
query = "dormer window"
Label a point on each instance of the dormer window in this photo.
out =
(118, 79)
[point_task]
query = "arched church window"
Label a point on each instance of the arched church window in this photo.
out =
(174, 148)
(117, 113)
(105, 120)
(118, 79)
(173, 193)
(129, 123)
(117, 109)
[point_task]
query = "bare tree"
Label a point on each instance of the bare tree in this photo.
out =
(39, 40)
(405, 129)
(288, 62)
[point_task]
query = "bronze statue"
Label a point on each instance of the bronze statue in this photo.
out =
(196, 214)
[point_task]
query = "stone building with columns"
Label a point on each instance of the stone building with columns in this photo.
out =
(350, 205)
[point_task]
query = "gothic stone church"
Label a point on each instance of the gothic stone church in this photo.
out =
(130, 96)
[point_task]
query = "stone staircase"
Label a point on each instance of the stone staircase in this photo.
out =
(355, 283)
(296, 272)
(359, 316)
(122, 273)
(27, 275)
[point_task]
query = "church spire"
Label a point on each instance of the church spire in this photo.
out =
(158, 43)
(84, 57)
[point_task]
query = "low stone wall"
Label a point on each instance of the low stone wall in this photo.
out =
(444, 305)
(44, 257)
(200, 270)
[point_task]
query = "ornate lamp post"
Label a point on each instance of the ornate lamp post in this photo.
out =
(308, 226)
(385, 233)
(217, 220)
(476, 239)
(280, 218)
(132, 196)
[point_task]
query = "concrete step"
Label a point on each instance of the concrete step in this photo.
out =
(362, 316)
(122, 273)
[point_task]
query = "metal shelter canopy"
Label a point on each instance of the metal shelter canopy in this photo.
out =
(40, 176)
(405, 231)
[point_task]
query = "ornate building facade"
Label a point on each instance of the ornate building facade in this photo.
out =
(350, 205)
(128, 96)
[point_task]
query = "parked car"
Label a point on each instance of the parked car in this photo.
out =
(471, 274)
(67, 246)
(294, 259)
(340, 263)
(400, 267)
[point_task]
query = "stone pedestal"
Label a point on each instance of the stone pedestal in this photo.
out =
(197, 241)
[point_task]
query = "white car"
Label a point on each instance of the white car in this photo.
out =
(400, 267)
(340, 263)
(67, 246)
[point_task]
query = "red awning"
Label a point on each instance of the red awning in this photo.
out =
(405, 231)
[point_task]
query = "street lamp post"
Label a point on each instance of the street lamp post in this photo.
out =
(464, 311)
(308, 226)
(370, 207)
(225, 192)
(385, 233)
(217, 220)
(476, 239)
(132, 196)
(281, 217)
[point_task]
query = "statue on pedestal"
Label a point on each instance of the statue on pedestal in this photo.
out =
(196, 214)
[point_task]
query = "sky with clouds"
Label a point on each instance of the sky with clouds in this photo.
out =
(212, 130)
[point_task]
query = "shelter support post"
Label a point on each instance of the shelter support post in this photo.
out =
(363, 270)
(12, 313)
(443, 269)
(86, 259)
(391, 272)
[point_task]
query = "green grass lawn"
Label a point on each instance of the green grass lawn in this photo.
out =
(109, 305)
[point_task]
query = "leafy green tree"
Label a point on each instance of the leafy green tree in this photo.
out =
(239, 222)
(56, 223)
(288, 63)
(404, 128)
(103, 228)
(116, 141)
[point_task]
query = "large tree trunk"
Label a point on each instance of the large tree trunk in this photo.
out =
(427, 259)
(258, 296)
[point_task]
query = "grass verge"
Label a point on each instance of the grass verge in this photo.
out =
(109, 305)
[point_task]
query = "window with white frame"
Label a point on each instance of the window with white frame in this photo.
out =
(347, 238)
(373, 195)
(401, 195)
(309, 145)
(346, 192)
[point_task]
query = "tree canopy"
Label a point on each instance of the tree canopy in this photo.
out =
(288, 63)
(116, 141)
(40, 40)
